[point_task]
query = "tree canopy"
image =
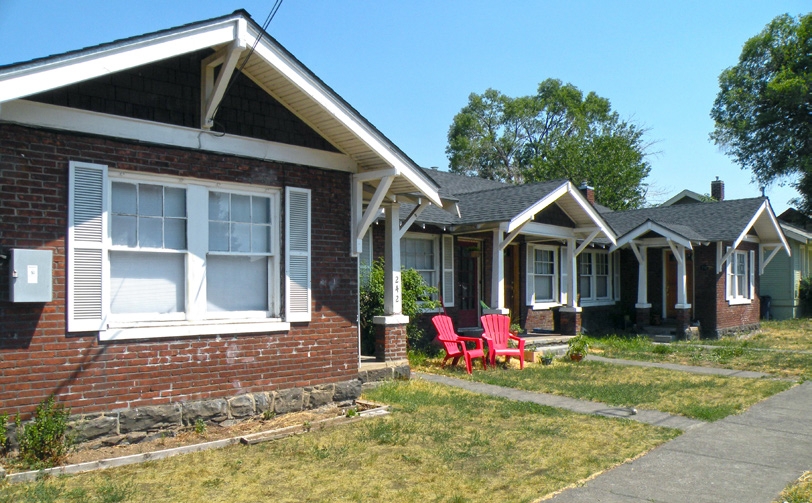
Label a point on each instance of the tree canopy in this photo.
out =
(763, 111)
(556, 133)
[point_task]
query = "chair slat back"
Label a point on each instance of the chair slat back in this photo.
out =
(497, 329)
(445, 332)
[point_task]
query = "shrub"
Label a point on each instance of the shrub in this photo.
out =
(805, 293)
(43, 441)
(3, 432)
(415, 298)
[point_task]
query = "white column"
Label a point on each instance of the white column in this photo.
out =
(392, 300)
(498, 273)
(682, 286)
(572, 269)
(642, 279)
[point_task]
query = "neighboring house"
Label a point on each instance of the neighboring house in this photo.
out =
(519, 249)
(782, 276)
(698, 262)
(200, 228)
(522, 249)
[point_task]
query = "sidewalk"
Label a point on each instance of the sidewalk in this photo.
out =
(743, 458)
(747, 458)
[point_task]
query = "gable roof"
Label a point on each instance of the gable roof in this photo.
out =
(729, 220)
(270, 66)
(685, 197)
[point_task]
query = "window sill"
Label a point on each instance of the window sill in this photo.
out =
(738, 301)
(596, 303)
(543, 306)
(126, 332)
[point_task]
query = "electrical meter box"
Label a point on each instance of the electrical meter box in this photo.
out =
(31, 279)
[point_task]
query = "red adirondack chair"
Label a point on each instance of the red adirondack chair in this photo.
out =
(497, 334)
(454, 344)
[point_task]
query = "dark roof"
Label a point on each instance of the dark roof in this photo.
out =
(453, 183)
(719, 221)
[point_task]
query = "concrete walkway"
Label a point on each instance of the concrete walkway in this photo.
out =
(654, 417)
(747, 458)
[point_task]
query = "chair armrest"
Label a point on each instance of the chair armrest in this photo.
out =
(476, 340)
(519, 340)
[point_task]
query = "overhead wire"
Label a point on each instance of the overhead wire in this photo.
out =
(274, 9)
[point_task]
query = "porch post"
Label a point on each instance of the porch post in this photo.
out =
(683, 309)
(571, 313)
(390, 329)
(642, 308)
(498, 275)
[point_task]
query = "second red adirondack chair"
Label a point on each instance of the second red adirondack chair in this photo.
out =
(497, 334)
(454, 344)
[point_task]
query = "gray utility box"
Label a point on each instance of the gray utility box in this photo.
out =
(31, 279)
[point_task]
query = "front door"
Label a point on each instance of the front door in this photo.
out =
(671, 282)
(468, 283)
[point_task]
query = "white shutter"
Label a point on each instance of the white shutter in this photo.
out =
(752, 274)
(564, 274)
(297, 255)
(87, 247)
(616, 275)
(448, 271)
(530, 286)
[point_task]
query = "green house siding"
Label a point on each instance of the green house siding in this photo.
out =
(780, 281)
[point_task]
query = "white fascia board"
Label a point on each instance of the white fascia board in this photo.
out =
(685, 193)
(547, 230)
(329, 102)
(795, 234)
(63, 72)
(81, 121)
(591, 212)
(764, 211)
(528, 213)
(647, 226)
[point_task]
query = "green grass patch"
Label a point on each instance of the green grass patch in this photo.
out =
(440, 444)
(708, 398)
(768, 351)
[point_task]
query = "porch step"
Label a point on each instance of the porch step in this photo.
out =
(663, 338)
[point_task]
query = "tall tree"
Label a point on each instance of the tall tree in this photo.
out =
(556, 133)
(763, 111)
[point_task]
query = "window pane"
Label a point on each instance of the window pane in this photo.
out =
(428, 277)
(241, 238)
(240, 208)
(150, 283)
(236, 283)
(544, 288)
(124, 231)
(602, 286)
(260, 210)
(175, 201)
(150, 232)
(260, 238)
(124, 198)
(175, 233)
(150, 200)
(218, 206)
(585, 287)
(218, 236)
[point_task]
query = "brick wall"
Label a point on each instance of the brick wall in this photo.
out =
(37, 356)
(737, 317)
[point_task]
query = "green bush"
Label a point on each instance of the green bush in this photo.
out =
(415, 298)
(3, 432)
(805, 293)
(43, 441)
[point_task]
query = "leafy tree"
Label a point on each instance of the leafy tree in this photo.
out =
(763, 111)
(556, 133)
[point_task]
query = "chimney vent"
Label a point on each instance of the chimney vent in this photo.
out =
(588, 192)
(718, 189)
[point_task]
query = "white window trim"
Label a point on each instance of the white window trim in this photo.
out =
(438, 271)
(749, 273)
(609, 300)
(195, 321)
(530, 280)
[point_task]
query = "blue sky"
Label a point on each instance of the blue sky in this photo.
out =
(409, 67)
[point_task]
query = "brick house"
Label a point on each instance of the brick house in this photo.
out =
(697, 262)
(509, 247)
(200, 225)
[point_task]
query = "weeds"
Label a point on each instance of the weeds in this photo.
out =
(200, 426)
(43, 442)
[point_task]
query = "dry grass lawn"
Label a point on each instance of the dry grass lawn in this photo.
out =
(799, 492)
(440, 444)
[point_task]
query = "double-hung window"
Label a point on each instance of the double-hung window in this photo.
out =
(543, 280)
(740, 277)
(153, 256)
(595, 275)
(421, 252)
